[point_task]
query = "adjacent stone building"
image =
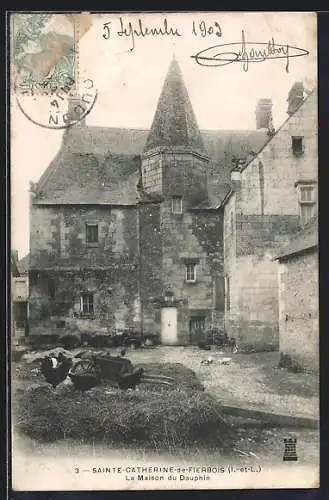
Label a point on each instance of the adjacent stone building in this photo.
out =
(273, 195)
(299, 298)
(126, 226)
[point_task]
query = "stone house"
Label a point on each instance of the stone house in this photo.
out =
(299, 298)
(273, 195)
(126, 226)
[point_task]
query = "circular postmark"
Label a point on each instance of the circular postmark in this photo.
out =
(57, 107)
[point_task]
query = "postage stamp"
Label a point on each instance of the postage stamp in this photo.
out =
(165, 320)
(44, 50)
(45, 68)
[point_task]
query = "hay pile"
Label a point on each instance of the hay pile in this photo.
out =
(153, 419)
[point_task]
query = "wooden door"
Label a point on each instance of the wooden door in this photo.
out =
(169, 326)
(197, 328)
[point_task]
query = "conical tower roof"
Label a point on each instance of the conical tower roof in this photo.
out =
(174, 123)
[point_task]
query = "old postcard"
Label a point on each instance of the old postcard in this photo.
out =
(164, 251)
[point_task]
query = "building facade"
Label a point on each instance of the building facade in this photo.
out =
(152, 230)
(273, 196)
(126, 226)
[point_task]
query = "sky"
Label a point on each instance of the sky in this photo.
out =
(129, 83)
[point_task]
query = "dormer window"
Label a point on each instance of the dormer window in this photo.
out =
(177, 205)
(297, 145)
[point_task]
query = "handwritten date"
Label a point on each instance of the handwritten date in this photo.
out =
(205, 30)
(139, 29)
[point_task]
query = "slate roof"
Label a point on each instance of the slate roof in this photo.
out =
(90, 156)
(80, 178)
(174, 122)
(221, 145)
(102, 164)
(302, 242)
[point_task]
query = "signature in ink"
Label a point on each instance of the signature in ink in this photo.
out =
(247, 52)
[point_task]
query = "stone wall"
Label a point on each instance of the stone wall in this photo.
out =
(168, 240)
(195, 236)
(256, 234)
(152, 174)
(185, 175)
(299, 309)
(251, 243)
(150, 272)
(64, 266)
(176, 174)
(253, 315)
(140, 255)
(55, 300)
(58, 236)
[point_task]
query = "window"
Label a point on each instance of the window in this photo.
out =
(297, 144)
(306, 202)
(87, 303)
(190, 273)
(306, 194)
(306, 213)
(177, 205)
(91, 233)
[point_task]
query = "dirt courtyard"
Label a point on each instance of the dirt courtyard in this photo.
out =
(248, 381)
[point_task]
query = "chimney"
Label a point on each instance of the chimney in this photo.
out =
(264, 114)
(295, 97)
